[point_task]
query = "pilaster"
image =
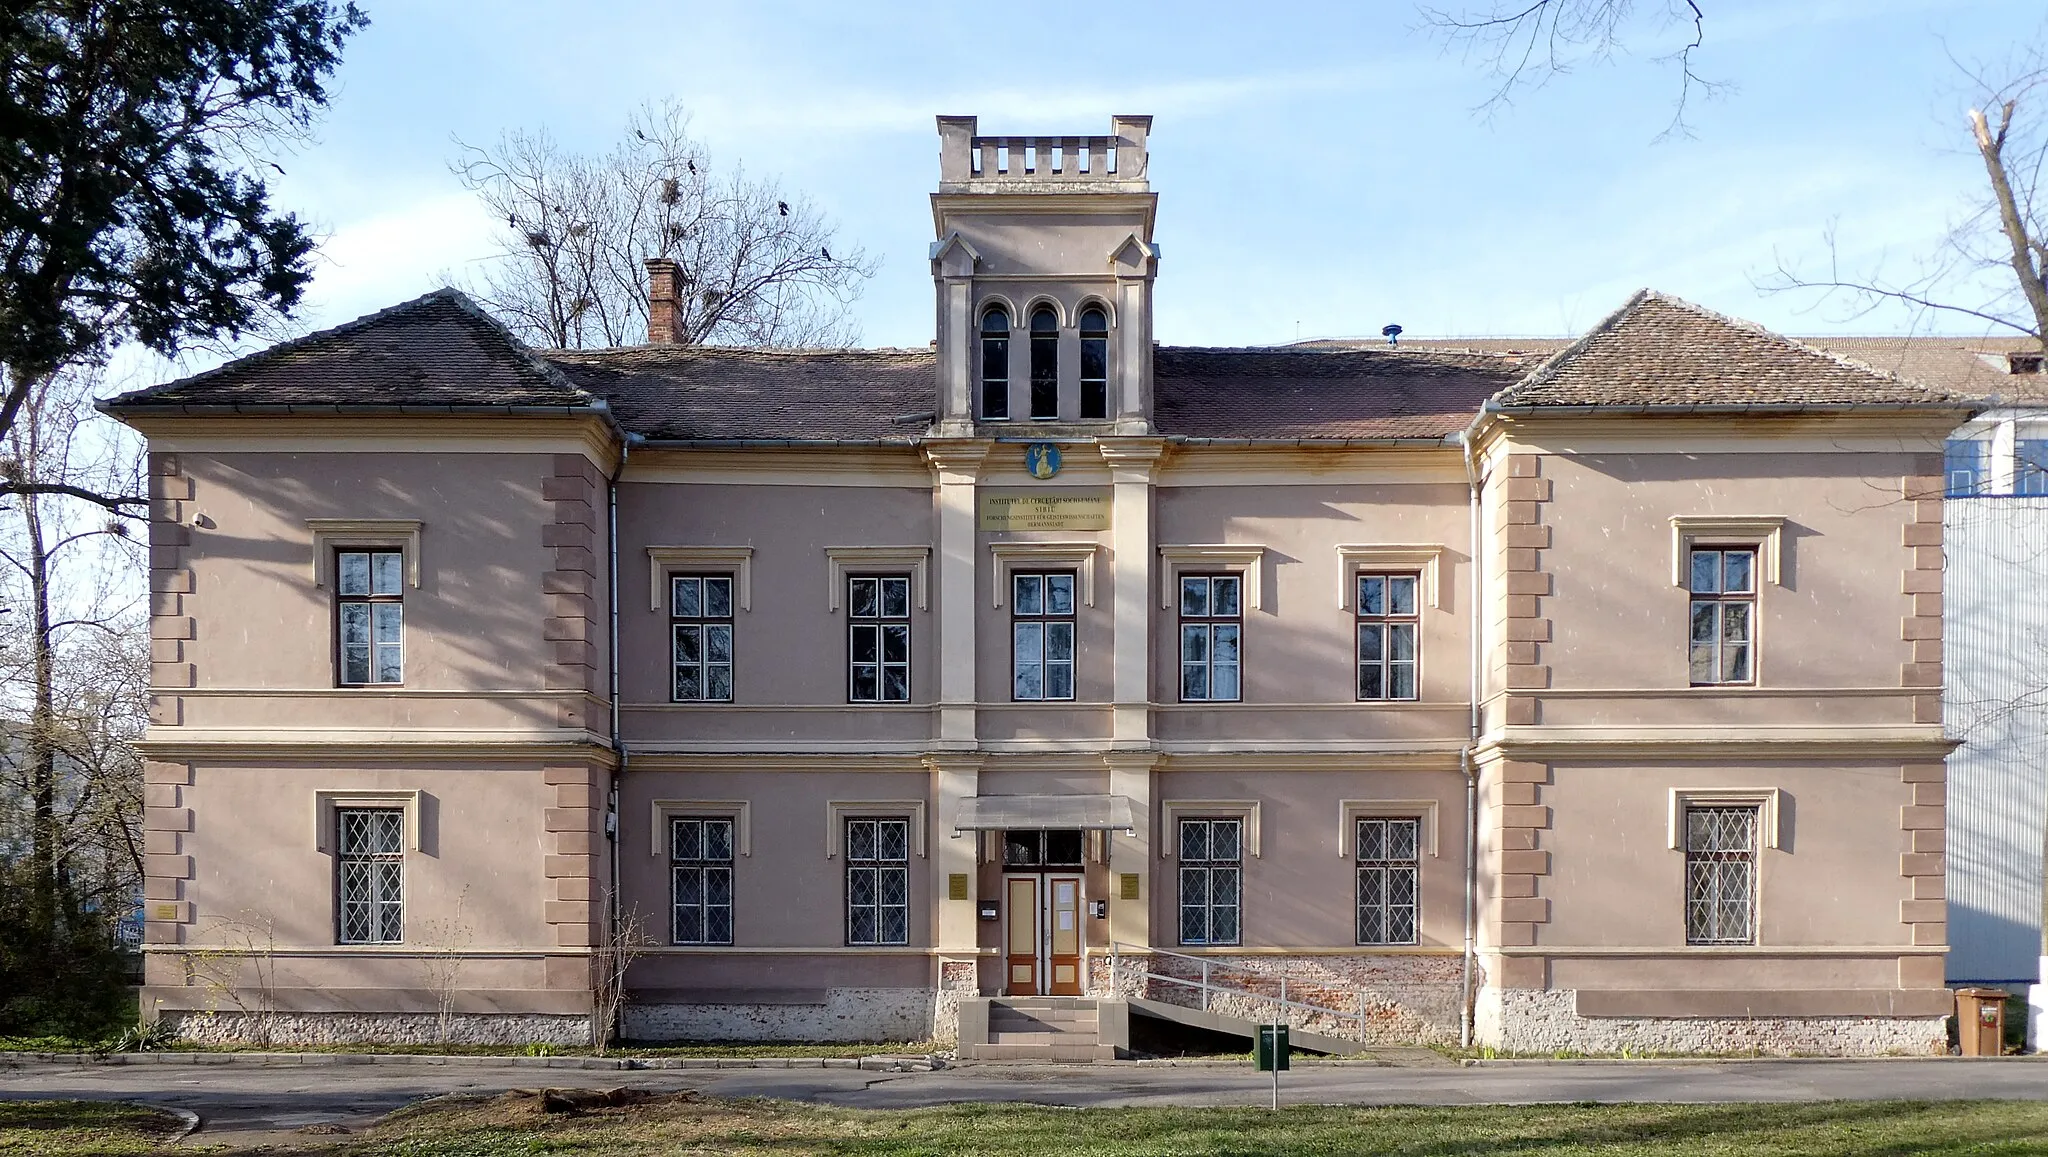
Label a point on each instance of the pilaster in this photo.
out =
(1132, 465)
(1130, 857)
(958, 465)
(955, 779)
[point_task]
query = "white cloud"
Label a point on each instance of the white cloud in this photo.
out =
(399, 253)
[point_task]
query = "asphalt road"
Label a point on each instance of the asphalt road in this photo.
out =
(248, 1102)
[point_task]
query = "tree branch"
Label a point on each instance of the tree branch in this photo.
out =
(113, 502)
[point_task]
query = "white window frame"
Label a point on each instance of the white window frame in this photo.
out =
(1208, 867)
(342, 860)
(878, 623)
(1044, 620)
(1422, 836)
(850, 866)
(370, 599)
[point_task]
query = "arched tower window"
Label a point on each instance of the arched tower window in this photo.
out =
(1045, 363)
(1094, 363)
(995, 363)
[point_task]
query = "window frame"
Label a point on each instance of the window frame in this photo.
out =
(1387, 864)
(2030, 467)
(1045, 364)
(704, 621)
(1045, 619)
(1388, 621)
(1206, 867)
(878, 865)
(992, 389)
(703, 865)
(879, 622)
(373, 599)
(1094, 401)
(377, 903)
(1210, 622)
(1722, 599)
(1978, 471)
(1695, 856)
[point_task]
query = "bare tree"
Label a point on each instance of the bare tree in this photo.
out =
(759, 266)
(624, 939)
(1524, 43)
(73, 664)
(1991, 264)
(446, 942)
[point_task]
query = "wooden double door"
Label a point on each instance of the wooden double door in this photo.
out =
(1042, 933)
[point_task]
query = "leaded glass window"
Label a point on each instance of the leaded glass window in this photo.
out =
(1723, 614)
(878, 881)
(1388, 868)
(1211, 880)
(369, 591)
(700, 615)
(700, 870)
(878, 639)
(1045, 363)
(1094, 363)
(1720, 875)
(995, 363)
(1388, 628)
(1041, 636)
(1211, 632)
(370, 875)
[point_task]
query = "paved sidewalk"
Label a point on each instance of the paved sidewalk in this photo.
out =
(246, 1102)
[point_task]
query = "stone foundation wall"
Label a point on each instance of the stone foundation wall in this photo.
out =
(957, 979)
(1528, 1021)
(1405, 999)
(398, 1028)
(848, 1014)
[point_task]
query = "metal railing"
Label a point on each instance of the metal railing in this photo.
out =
(1207, 983)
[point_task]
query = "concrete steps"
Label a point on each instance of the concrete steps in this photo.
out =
(1043, 1028)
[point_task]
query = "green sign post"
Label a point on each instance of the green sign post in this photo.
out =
(1270, 1053)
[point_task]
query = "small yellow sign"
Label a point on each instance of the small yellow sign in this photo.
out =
(1128, 886)
(956, 885)
(1045, 510)
(167, 911)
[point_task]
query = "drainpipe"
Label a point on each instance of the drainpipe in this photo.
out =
(1465, 758)
(611, 819)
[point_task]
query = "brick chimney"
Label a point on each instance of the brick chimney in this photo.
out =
(664, 304)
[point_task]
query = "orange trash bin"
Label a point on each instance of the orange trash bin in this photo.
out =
(1980, 1021)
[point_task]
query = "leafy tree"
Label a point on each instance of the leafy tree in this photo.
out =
(131, 206)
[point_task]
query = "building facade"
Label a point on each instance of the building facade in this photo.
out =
(1588, 701)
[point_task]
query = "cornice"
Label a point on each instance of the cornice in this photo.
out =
(1707, 744)
(589, 435)
(393, 748)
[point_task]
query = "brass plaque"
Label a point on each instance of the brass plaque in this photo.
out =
(1127, 886)
(1044, 510)
(167, 911)
(956, 886)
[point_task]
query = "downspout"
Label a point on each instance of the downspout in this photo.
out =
(611, 819)
(1465, 758)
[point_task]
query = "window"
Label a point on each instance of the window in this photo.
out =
(1211, 875)
(1057, 848)
(1723, 614)
(370, 601)
(1387, 626)
(1968, 465)
(878, 881)
(1211, 622)
(995, 363)
(2030, 467)
(700, 869)
(1041, 636)
(1094, 363)
(700, 611)
(878, 639)
(1387, 867)
(370, 875)
(1045, 363)
(1720, 875)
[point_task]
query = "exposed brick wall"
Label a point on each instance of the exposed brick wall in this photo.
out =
(574, 622)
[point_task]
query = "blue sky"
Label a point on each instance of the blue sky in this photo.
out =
(1320, 167)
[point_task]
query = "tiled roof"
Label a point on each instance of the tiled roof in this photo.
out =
(1658, 352)
(1972, 367)
(433, 352)
(721, 393)
(1310, 393)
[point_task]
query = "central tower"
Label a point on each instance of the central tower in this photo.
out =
(1043, 267)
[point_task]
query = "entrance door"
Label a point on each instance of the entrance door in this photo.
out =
(1022, 940)
(1042, 935)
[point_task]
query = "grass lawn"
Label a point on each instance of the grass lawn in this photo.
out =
(520, 1123)
(83, 1129)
